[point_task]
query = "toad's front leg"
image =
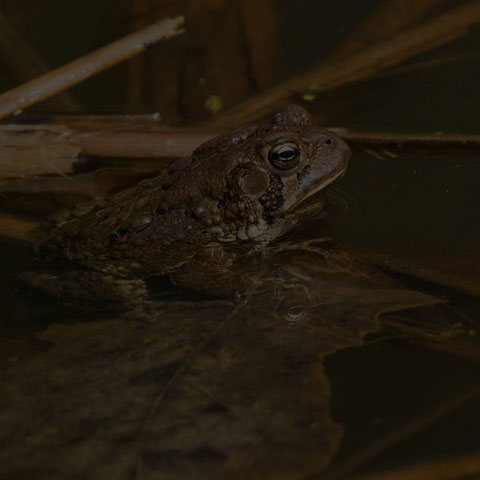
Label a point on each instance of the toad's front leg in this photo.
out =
(215, 271)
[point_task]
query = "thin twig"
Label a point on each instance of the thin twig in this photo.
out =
(400, 434)
(16, 100)
(454, 468)
(364, 64)
(433, 274)
(444, 143)
(427, 64)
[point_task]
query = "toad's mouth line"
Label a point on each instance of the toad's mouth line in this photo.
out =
(319, 187)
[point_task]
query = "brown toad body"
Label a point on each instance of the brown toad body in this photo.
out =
(237, 192)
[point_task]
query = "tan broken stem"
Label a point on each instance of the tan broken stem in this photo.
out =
(361, 65)
(16, 100)
(35, 150)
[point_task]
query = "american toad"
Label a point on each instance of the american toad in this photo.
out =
(196, 222)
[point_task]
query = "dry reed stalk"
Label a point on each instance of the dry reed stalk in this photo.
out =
(391, 17)
(136, 70)
(178, 143)
(91, 185)
(166, 144)
(260, 27)
(16, 100)
(213, 71)
(23, 62)
(15, 228)
(93, 123)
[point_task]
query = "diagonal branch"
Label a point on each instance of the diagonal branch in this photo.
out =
(442, 29)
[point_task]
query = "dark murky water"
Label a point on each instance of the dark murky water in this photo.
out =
(417, 207)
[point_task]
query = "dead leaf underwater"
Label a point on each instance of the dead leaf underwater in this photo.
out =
(207, 389)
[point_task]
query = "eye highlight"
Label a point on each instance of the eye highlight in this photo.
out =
(284, 156)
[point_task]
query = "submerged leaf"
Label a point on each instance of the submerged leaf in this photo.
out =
(203, 390)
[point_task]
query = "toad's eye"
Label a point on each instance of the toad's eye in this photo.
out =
(284, 156)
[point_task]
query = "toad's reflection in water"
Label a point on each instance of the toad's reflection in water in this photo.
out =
(208, 389)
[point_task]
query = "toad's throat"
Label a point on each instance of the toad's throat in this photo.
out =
(318, 187)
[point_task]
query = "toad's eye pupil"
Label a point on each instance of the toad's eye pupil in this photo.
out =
(287, 153)
(284, 156)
